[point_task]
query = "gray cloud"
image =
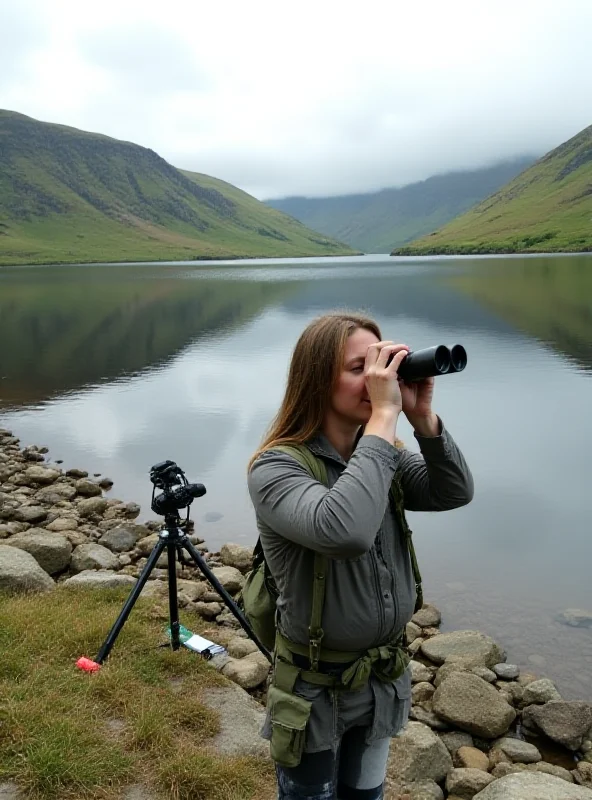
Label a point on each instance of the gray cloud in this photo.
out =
(309, 100)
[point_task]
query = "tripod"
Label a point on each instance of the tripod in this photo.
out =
(174, 540)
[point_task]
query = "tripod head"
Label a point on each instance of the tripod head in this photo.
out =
(177, 491)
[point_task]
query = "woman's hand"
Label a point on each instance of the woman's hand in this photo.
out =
(417, 406)
(381, 380)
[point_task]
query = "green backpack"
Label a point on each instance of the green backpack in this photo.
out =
(259, 596)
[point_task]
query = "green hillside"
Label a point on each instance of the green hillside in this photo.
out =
(548, 208)
(68, 196)
(378, 221)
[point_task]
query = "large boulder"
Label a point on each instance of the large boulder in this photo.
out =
(235, 555)
(533, 786)
(466, 782)
(19, 572)
(42, 476)
(123, 538)
(93, 556)
(231, 579)
(30, 514)
(475, 648)
(51, 550)
(565, 721)
(240, 721)
(248, 672)
(418, 753)
(100, 579)
(473, 705)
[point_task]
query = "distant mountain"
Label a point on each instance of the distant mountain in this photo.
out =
(379, 221)
(70, 196)
(548, 208)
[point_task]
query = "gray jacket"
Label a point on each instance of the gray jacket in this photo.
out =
(370, 592)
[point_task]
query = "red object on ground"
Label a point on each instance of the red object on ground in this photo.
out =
(87, 664)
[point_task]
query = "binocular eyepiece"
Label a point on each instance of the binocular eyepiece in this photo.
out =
(431, 362)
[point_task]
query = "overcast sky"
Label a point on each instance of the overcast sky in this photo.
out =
(315, 97)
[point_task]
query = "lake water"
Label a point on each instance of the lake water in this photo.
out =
(117, 367)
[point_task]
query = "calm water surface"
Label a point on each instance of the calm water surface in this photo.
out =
(116, 367)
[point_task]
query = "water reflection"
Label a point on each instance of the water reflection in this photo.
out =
(189, 363)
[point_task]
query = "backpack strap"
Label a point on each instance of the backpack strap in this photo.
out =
(396, 494)
(316, 467)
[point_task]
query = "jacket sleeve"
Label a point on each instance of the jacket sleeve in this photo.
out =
(340, 522)
(437, 480)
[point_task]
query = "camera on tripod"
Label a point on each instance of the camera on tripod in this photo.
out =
(166, 475)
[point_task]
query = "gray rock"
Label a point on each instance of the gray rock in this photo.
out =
(466, 782)
(484, 673)
(56, 493)
(92, 506)
(61, 524)
(93, 556)
(100, 579)
(87, 488)
(76, 473)
(123, 537)
(420, 672)
(19, 572)
(518, 750)
(30, 514)
(480, 649)
(10, 791)
(235, 555)
(472, 705)
(532, 786)
(230, 578)
(42, 475)
(412, 631)
(576, 618)
(421, 692)
(50, 550)
(428, 616)
(508, 672)
(566, 722)
(418, 753)
(423, 790)
(240, 647)
(247, 672)
(551, 769)
(427, 717)
(240, 720)
(541, 691)
(454, 740)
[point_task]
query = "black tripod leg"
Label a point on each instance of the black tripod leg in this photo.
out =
(230, 604)
(129, 603)
(173, 603)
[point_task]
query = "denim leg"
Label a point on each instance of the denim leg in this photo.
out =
(312, 779)
(362, 767)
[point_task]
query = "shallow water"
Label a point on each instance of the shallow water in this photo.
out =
(117, 367)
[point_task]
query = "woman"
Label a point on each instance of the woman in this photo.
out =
(343, 400)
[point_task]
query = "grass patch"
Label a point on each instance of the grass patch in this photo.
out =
(67, 734)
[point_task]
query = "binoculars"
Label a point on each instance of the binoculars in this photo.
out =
(431, 362)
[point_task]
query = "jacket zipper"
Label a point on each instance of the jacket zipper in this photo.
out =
(378, 591)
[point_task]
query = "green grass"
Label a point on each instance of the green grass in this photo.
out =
(67, 734)
(548, 208)
(68, 196)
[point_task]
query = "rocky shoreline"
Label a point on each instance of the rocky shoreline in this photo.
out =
(478, 726)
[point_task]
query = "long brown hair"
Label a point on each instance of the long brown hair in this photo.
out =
(314, 369)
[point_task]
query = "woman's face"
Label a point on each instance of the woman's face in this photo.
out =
(350, 399)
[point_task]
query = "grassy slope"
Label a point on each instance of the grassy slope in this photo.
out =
(69, 196)
(378, 221)
(69, 735)
(548, 208)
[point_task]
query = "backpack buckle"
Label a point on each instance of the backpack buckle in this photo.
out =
(314, 647)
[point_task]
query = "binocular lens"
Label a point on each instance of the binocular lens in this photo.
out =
(458, 358)
(442, 359)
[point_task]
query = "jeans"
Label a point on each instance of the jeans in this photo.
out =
(355, 772)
